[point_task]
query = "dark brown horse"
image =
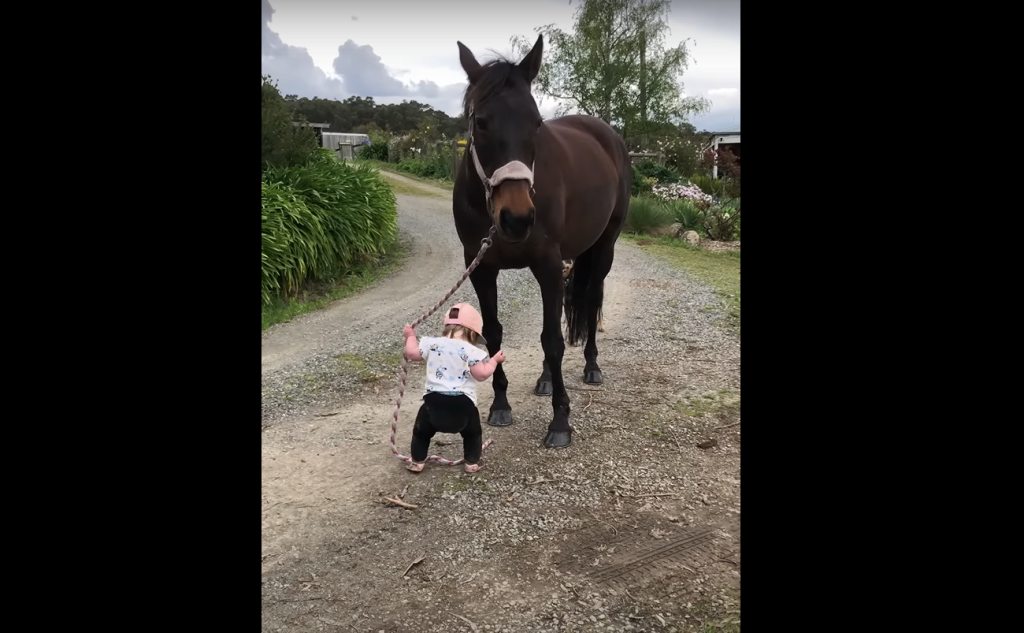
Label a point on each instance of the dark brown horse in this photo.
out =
(553, 190)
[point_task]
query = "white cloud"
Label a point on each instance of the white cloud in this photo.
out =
(420, 41)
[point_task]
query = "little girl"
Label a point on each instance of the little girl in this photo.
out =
(454, 365)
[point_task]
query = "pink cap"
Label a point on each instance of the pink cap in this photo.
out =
(468, 317)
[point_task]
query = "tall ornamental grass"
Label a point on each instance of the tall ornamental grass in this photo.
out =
(319, 219)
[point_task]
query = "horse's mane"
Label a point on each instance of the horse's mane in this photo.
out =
(495, 75)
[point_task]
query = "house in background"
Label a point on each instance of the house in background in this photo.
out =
(728, 139)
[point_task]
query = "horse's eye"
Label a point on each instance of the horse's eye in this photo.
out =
(481, 124)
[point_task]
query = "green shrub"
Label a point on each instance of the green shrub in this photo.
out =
(640, 185)
(319, 219)
(721, 223)
(377, 150)
(685, 212)
(650, 169)
(436, 165)
(646, 215)
(414, 166)
(725, 188)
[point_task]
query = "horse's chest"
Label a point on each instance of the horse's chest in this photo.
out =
(504, 257)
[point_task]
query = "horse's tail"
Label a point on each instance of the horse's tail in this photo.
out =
(577, 296)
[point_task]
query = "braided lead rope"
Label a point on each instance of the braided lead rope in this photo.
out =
(484, 245)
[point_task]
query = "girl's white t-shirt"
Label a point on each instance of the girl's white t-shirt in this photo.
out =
(448, 363)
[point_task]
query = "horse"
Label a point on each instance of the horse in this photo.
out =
(549, 191)
(567, 290)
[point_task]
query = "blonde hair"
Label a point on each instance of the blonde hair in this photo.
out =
(453, 330)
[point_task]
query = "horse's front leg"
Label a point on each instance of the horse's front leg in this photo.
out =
(548, 273)
(485, 282)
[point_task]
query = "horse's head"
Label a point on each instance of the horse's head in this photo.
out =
(503, 125)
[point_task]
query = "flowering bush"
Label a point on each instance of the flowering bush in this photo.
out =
(682, 152)
(680, 191)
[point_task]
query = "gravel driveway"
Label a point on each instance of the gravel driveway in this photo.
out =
(633, 528)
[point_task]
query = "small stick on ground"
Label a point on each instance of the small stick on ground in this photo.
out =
(466, 620)
(440, 585)
(326, 415)
(402, 504)
(413, 564)
(589, 402)
(727, 426)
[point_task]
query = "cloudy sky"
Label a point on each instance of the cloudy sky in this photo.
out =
(406, 49)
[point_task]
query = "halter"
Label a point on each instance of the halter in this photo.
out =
(514, 170)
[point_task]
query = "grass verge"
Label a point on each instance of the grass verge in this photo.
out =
(720, 270)
(315, 296)
(391, 168)
(403, 188)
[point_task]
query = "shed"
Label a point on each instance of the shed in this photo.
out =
(344, 143)
(318, 129)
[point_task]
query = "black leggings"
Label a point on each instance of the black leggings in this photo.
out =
(447, 414)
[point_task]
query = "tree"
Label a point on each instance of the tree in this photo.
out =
(284, 143)
(614, 65)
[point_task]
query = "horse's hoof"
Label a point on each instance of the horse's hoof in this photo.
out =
(543, 388)
(558, 439)
(593, 377)
(500, 417)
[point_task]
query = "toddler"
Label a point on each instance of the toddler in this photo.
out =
(454, 366)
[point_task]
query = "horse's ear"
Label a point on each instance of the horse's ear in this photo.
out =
(531, 63)
(469, 63)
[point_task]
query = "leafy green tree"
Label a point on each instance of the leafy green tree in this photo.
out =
(615, 65)
(284, 144)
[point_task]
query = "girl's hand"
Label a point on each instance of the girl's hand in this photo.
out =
(408, 331)
(499, 357)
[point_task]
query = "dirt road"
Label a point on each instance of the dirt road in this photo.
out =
(633, 528)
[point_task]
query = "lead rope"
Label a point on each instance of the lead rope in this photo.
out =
(484, 245)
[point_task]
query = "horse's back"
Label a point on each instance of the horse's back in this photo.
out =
(595, 174)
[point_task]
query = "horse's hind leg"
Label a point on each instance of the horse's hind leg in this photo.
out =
(601, 265)
(485, 282)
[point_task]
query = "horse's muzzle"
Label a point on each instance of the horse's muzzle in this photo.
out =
(515, 227)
